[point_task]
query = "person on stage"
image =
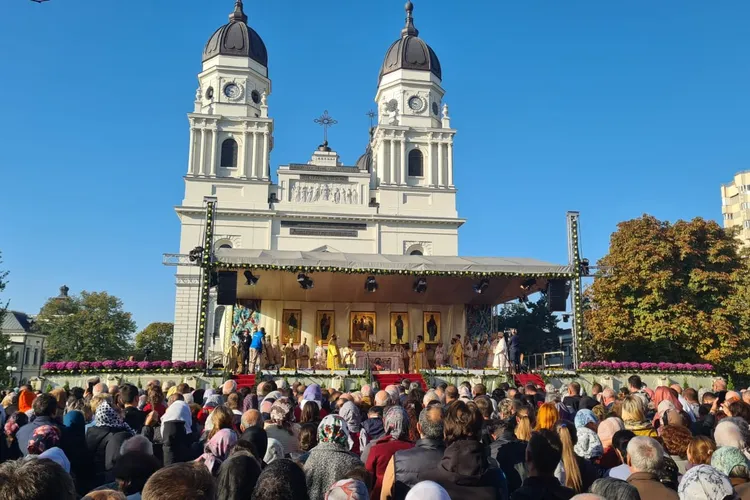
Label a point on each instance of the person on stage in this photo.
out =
(458, 353)
(484, 352)
(256, 349)
(420, 360)
(439, 356)
(514, 350)
(289, 355)
(346, 354)
(320, 356)
(232, 356)
(334, 357)
(245, 342)
(500, 353)
(303, 355)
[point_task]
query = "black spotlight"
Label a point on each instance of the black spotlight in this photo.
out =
(370, 284)
(250, 279)
(526, 285)
(585, 267)
(523, 299)
(195, 254)
(304, 281)
(420, 286)
(566, 317)
(483, 285)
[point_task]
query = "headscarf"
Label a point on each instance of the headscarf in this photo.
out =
(258, 438)
(275, 451)
(250, 403)
(172, 391)
(396, 422)
(106, 416)
(25, 400)
(188, 398)
(313, 393)
(179, 411)
(350, 413)
(464, 392)
(212, 401)
(607, 429)
(282, 412)
(703, 482)
(348, 489)
(15, 422)
(333, 429)
(726, 458)
(43, 438)
(265, 407)
(217, 449)
(585, 417)
(427, 490)
(58, 456)
(729, 434)
(664, 393)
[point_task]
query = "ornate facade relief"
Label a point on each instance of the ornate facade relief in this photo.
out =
(325, 193)
(423, 246)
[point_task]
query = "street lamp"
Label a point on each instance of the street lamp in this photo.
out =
(11, 371)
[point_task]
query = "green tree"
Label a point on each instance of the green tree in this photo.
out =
(4, 341)
(669, 293)
(157, 339)
(92, 327)
(536, 325)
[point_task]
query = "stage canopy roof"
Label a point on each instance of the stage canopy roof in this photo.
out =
(340, 277)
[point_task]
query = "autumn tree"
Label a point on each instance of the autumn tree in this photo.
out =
(92, 327)
(154, 340)
(669, 295)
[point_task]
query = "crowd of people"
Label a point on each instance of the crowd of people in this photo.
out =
(280, 442)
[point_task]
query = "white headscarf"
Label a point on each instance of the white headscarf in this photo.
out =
(703, 482)
(427, 490)
(275, 451)
(179, 411)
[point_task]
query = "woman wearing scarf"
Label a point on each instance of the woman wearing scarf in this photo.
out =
(312, 393)
(217, 450)
(348, 489)
(176, 432)
(210, 401)
(705, 483)
(103, 441)
(280, 426)
(9, 448)
(74, 445)
(25, 400)
(330, 460)
(731, 462)
(351, 415)
(588, 446)
(43, 438)
(606, 432)
(396, 423)
(729, 433)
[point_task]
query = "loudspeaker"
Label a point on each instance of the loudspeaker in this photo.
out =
(227, 292)
(557, 295)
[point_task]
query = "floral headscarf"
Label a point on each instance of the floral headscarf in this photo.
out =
(333, 429)
(282, 412)
(704, 482)
(250, 403)
(217, 449)
(14, 423)
(585, 417)
(348, 489)
(43, 438)
(396, 422)
(25, 400)
(106, 416)
(350, 413)
(727, 458)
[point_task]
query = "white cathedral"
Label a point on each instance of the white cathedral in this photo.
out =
(398, 199)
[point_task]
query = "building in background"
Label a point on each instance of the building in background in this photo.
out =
(735, 205)
(26, 346)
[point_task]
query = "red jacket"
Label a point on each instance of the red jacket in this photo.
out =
(380, 454)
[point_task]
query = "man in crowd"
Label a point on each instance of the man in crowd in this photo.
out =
(646, 459)
(45, 408)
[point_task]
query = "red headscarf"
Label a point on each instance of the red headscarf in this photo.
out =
(25, 400)
(663, 393)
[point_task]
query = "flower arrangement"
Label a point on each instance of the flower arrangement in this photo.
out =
(614, 366)
(122, 366)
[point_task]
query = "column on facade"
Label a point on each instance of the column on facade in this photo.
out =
(191, 169)
(381, 161)
(402, 172)
(245, 153)
(202, 159)
(428, 164)
(214, 145)
(450, 163)
(392, 145)
(440, 180)
(264, 163)
(254, 165)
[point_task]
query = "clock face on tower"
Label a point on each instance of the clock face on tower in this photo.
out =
(232, 91)
(416, 104)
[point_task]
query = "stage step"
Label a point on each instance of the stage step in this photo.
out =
(395, 378)
(525, 378)
(244, 380)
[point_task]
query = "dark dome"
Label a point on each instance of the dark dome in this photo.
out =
(410, 51)
(236, 39)
(365, 161)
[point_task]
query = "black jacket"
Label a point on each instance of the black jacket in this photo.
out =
(572, 402)
(104, 444)
(410, 464)
(135, 418)
(464, 472)
(26, 431)
(175, 445)
(510, 454)
(542, 488)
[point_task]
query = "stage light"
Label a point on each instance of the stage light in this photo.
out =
(250, 279)
(483, 284)
(566, 317)
(420, 286)
(523, 299)
(195, 254)
(526, 285)
(304, 281)
(370, 284)
(585, 267)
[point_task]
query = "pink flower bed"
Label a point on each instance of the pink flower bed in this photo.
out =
(645, 366)
(123, 366)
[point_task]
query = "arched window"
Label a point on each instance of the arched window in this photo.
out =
(229, 153)
(416, 162)
(416, 252)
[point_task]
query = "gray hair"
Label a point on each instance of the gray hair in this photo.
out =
(645, 454)
(137, 443)
(431, 428)
(614, 489)
(430, 397)
(590, 496)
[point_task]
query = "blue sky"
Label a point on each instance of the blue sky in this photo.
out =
(614, 109)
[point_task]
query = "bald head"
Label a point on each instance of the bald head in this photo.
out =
(251, 418)
(382, 398)
(732, 396)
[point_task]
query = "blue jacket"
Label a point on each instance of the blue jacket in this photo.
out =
(257, 342)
